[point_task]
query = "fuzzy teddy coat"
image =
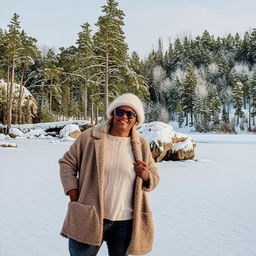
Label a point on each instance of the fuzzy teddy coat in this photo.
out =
(82, 168)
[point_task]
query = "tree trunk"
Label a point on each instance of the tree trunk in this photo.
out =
(92, 111)
(85, 101)
(249, 117)
(106, 83)
(186, 114)
(50, 97)
(9, 112)
(21, 92)
(191, 118)
(97, 115)
(7, 96)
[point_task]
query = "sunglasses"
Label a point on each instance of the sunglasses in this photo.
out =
(121, 112)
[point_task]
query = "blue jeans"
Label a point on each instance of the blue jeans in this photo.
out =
(117, 235)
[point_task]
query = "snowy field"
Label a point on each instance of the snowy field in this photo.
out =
(202, 207)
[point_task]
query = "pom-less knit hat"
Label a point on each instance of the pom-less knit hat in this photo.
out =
(131, 101)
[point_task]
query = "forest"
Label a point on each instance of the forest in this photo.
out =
(205, 82)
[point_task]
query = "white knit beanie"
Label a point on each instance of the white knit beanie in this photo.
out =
(131, 101)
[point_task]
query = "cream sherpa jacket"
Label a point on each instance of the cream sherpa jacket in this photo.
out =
(82, 168)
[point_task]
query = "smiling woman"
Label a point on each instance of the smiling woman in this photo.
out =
(106, 173)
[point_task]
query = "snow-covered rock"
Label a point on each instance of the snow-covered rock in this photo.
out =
(166, 144)
(14, 132)
(70, 130)
(48, 126)
(157, 131)
(8, 145)
(35, 133)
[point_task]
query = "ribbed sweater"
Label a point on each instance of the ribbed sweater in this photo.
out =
(119, 179)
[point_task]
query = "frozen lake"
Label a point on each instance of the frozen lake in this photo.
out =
(202, 207)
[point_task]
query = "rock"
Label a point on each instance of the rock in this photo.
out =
(183, 150)
(159, 150)
(74, 134)
(14, 132)
(34, 133)
(85, 127)
(8, 145)
(166, 144)
(69, 130)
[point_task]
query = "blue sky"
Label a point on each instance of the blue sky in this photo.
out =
(56, 23)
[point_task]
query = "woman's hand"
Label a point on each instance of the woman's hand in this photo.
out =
(73, 194)
(141, 170)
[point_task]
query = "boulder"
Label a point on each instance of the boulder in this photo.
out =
(8, 145)
(166, 144)
(69, 130)
(183, 150)
(14, 132)
(159, 150)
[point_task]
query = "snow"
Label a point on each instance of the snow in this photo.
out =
(68, 129)
(45, 126)
(157, 132)
(35, 133)
(16, 132)
(2, 136)
(16, 88)
(186, 145)
(201, 207)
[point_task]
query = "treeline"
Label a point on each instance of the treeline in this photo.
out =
(206, 82)
(77, 81)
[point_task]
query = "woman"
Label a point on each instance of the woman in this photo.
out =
(106, 173)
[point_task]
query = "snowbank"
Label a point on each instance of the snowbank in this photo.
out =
(157, 132)
(46, 126)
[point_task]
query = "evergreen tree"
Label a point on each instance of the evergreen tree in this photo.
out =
(13, 48)
(188, 96)
(51, 73)
(252, 100)
(87, 64)
(238, 100)
(111, 49)
(214, 104)
(180, 115)
(28, 53)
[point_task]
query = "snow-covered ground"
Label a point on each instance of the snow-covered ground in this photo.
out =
(202, 207)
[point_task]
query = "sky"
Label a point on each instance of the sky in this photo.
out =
(55, 23)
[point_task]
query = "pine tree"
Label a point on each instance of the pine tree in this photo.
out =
(188, 97)
(51, 73)
(238, 100)
(251, 56)
(252, 100)
(214, 104)
(13, 40)
(202, 114)
(180, 115)
(110, 47)
(87, 64)
(28, 53)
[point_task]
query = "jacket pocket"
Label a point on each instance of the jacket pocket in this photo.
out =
(82, 223)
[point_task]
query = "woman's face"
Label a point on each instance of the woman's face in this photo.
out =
(123, 122)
